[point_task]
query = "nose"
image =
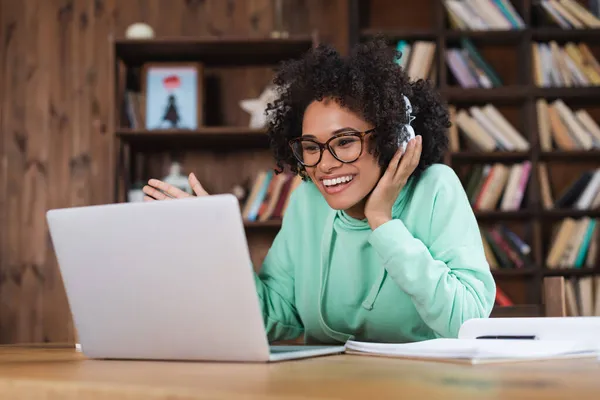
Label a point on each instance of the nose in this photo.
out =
(328, 162)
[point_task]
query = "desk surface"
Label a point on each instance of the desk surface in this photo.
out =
(62, 373)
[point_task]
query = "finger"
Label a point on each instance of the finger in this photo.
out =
(417, 154)
(148, 198)
(155, 194)
(403, 169)
(168, 189)
(393, 165)
(196, 186)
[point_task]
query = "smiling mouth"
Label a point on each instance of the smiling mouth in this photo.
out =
(336, 185)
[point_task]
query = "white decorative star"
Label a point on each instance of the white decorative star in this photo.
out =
(256, 107)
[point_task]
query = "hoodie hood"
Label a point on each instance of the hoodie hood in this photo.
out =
(341, 220)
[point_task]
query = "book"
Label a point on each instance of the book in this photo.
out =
(494, 340)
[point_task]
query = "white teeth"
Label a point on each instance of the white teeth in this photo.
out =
(336, 181)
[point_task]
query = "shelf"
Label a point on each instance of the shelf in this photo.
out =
(263, 224)
(508, 272)
(213, 51)
(537, 34)
(574, 155)
(570, 272)
(493, 156)
(399, 34)
(206, 136)
(587, 93)
(503, 215)
(569, 213)
(492, 36)
(507, 94)
(517, 93)
(554, 33)
(521, 310)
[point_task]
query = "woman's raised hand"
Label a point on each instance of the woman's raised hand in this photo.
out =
(159, 190)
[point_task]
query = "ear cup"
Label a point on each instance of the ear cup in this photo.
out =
(406, 130)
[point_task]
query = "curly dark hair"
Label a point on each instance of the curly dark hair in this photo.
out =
(368, 82)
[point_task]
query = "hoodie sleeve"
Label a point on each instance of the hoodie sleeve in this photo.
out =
(275, 286)
(446, 273)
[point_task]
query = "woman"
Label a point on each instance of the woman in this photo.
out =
(377, 244)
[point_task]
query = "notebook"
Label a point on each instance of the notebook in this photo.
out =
(490, 340)
(477, 351)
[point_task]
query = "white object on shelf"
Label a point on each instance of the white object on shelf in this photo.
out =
(139, 30)
(177, 179)
(256, 107)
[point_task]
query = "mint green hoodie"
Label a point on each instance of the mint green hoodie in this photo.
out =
(419, 276)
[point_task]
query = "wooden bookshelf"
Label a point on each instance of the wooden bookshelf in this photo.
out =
(223, 151)
(509, 53)
(210, 136)
(213, 51)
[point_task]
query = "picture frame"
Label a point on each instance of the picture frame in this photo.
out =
(173, 95)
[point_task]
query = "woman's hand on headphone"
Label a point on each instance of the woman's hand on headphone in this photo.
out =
(159, 190)
(378, 209)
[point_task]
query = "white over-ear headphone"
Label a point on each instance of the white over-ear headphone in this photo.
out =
(406, 128)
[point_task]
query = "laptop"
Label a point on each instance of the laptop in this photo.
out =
(165, 280)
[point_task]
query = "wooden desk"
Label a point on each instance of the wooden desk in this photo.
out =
(62, 373)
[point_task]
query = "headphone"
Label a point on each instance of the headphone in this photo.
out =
(406, 129)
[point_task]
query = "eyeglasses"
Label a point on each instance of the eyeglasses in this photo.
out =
(346, 147)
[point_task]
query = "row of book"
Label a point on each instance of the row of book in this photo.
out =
(504, 249)
(269, 195)
(582, 296)
(569, 65)
(574, 244)
(582, 193)
(485, 129)
(568, 14)
(493, 186)
(562, 127)
(417, 59)
(134, 106)
(469, 68)
(502, 15)
(483, 15)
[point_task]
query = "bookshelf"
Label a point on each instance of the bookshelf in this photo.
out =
(222, 150)
(509, 53)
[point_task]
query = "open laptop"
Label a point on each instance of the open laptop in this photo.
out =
(164, 280)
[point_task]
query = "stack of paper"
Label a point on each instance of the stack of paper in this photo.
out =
(476, 351)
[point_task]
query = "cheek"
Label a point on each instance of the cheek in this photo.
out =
(370, 172)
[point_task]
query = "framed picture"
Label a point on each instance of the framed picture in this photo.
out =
(173, 95)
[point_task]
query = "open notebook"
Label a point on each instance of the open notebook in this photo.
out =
(500, 340)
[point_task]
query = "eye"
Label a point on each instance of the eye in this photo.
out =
(310, 147)
(345, 142)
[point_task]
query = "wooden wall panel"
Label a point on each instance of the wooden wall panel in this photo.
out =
(56, 143)
(3, 160)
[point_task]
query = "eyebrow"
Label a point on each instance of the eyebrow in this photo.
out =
(344, 129)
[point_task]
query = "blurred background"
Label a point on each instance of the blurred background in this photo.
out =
(98, 96)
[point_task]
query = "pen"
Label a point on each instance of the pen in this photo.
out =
(530, 337)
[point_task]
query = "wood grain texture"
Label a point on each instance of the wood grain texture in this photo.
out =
(4, 39)
(57, 144)
(56, 373)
